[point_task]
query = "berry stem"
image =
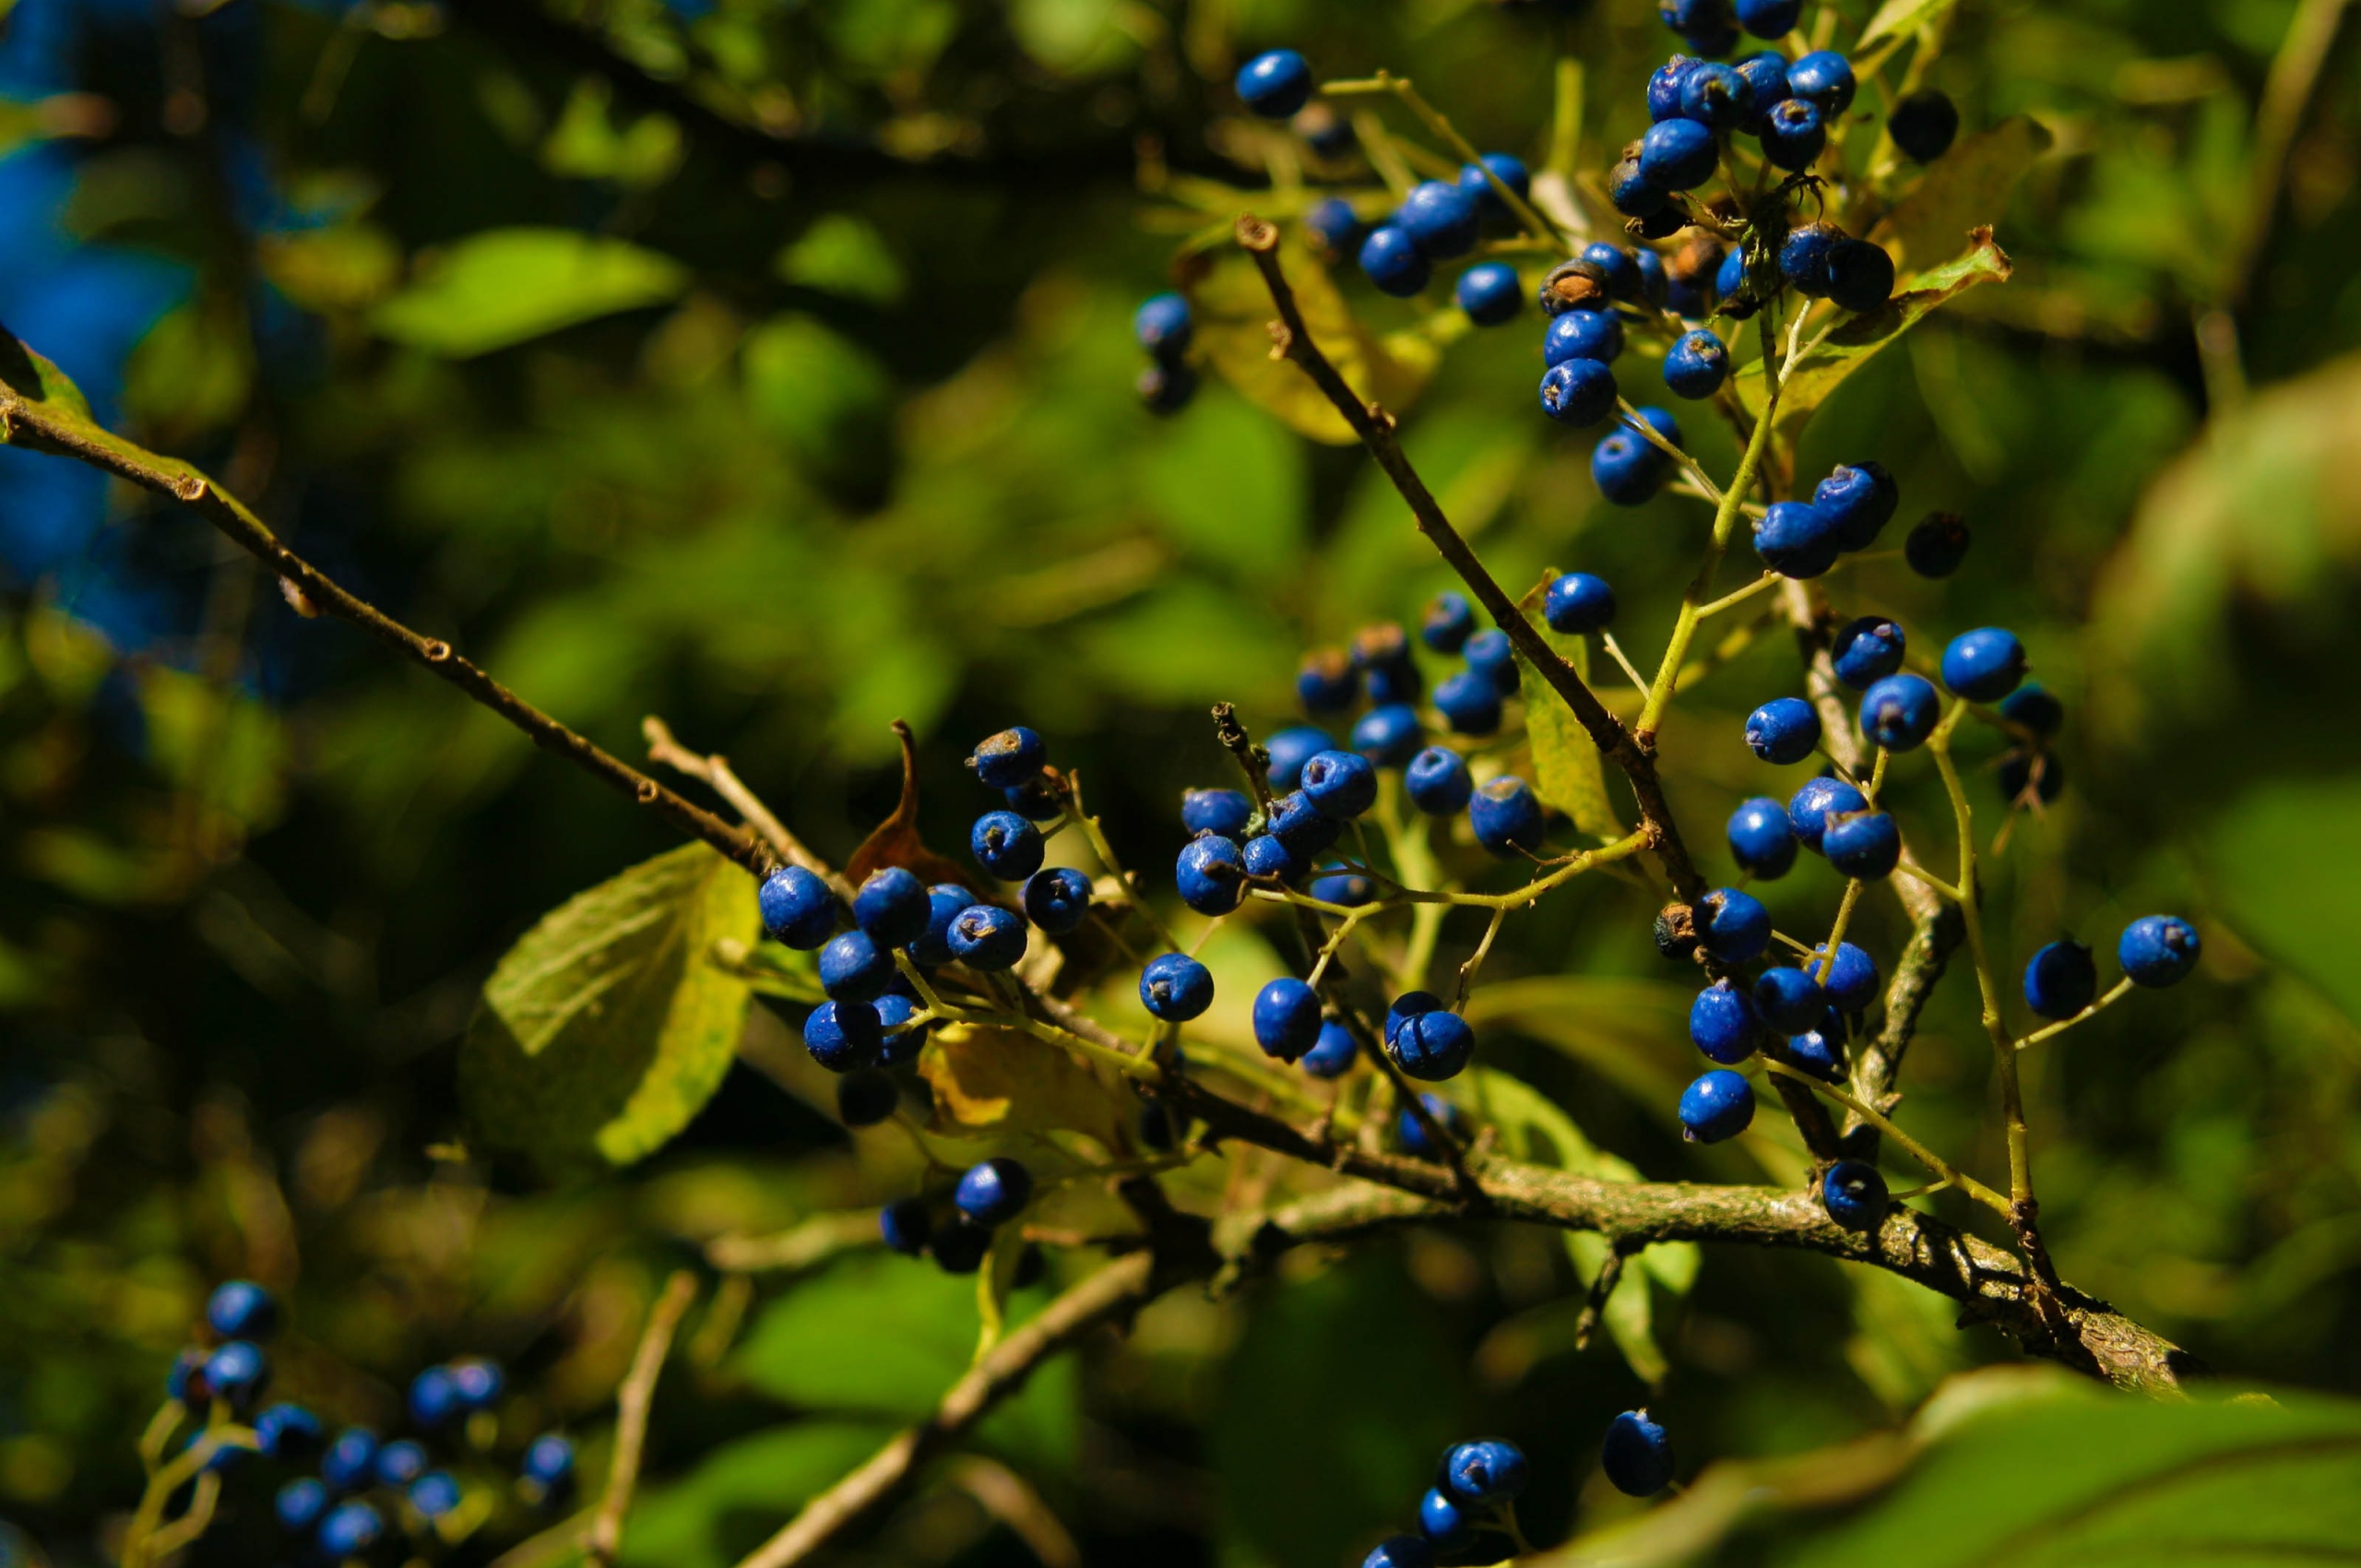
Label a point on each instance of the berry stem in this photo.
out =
(605, 1537)
(2120, 990)
(1910, 1145)
(1538, 226)
(1836, 931)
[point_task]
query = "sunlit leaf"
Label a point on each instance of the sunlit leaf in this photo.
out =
(507, 286)
(1968, 186)
(1898, 18)
(992, 1083)
(1567, 772)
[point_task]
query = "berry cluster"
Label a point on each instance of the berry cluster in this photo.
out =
(1473, 1498)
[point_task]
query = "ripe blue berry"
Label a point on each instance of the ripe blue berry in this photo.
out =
(1854, 1195)
(350, 1461)
(1784, 729)
(1790, 1000)
(1327, 681)
(1803, 258)
(1487, 1471)
(434, 1494)
(1295, 822)
(1007, 844)
(1406, 1006)
(1984, 665)
(959, 1247)
(944, 902)
(1820, 1052)
(288, 1431)
(1719, 1105)
(479, 1381)
(1622, 265)
(1692, 17)
(1490, 651)
(1394, 262)
(1825, 78)
(994, 1192)
(904, 1224)
(1696, 365)
(1938, 545)
(300, 1505)
(1665, 85)
(1867, 845)
(1339, 886)
(891, 908)
(798, 908)
(1469, 702)
(1286, 1018)
(1176, 987)
(1506, 817)
(1267, 856)
(1440, 218)
(1166, 388)
(1860, 275)
(1627, 469)
(1290, 749)
(1899, 712)
(1638, 1456)
(2061, 979)
(1795, 539)
(1449, 621)
(1761, 839)
(1438, 781)
(2156, 950)
(1768, 18)
(865, 1097)
(1477, 179)
(1732, 925)
(399, 1464)
(1037, 800)
(434, 1398)
(549, 1461)
(901, 1037)
(1632, 193)
(1057, 899)
(350, 1530)
(1009, 758)
(240, 1309)
(1389, 736)
(853, 967)
(1861, 497)
(2032, 707)
(1865, 651)
(1163, 326)
(1211, 875)
(986, 937)
(1717, 96)
(1820, 798)
(1400, 1551)
(1583, 335)
(1489, 293)
(1852, 981)
(1578, 602)
(1923, 125)
(1340, 785)
(1274, 85)
(1431, 1046)
(1411, 1132)
(1794, 135)
(1678, 155)
(1225, 811)
(1335, 225)
(1766, 73)
(1579, 392)
(1724, 1024)
(1445, 1523)
(239, 1371)
(1332, 1055)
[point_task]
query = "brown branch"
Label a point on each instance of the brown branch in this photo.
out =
(1291, 339)
(801, 1246)
(631, 1401)
(714, 771)
(1611, 1275)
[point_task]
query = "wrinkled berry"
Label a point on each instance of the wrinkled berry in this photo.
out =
(1732, 925)
(1009, 758)
(1696, 365)
(1865, 651)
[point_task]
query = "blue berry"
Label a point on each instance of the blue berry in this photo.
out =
(891, 908)
(1295, 822)
(237, 1372)
(1938, 545)
(1665, 85)
(1784, 729)
(1394, 262)
(1225, 811)
(901, 1036)
(1327, 681)
(1583, 335)
(352, 1460)
(865, 1097)
(1622, 265)
(1766, 73)
(2061, 979)
(1865, 651)
(1449, 621)
(1653, 281)
(2032, 707)
(1717, 39)
(1490, 651)
(1445, 1523)
(904, 1225)
(1852, 981)
(1578, 392)
(1900, 711)
(959, 1247)
(1211, 875)
(1506, 817)
(944, 902)
(1336, 885)
(1696, 365)
(1476, 178)
(479, 1381)
(1389, 736)
(1037, 800)
(1632, 193)
(1637, 1456)
(1176, 987)
(548, 1460)
(1290, 749)
(1489, 293)
(1487, 1471)
(2158, 950)
(1274, 85)
(1057, 899)
(1431, 1046)
(1691, 17)
(1820, 798)
(1790, 1000)
(1867, 845)
(986, 938)
(1333, 1056)
(1340, 785)
(1794, 135)
(399, 1464)
(1267, 856)
(1984, 665)
(434, 1494)
(350, 1530)
(1795, 539)
(1167, 388)
(1335, 225)
(1438, 781)
(1400, 1551)
(1007, 844)
(1732, 925)
(1824, 77)
(1009, 758)
(1163, 326)
(1719, 1105)
(186, 1380)
(1658, 420)
(1768, 18)
(1860, 275)
(1440, 219)
(1627, 469)
(288, 1431)
(994, 1192)
(1724, 1024)
(797, 907)
(854, 969)
(1406, 1006)
(1818, 1051)
(1678, 155)
(240, 1309)
(1578, 602)
(1762, 841)
(1286, 1018)
(1923, 125)
(1411, 1133)
(1861, 497)
(1854, 1195)
(300, 1505)
(1469, 702)
(1717, 96)
(1803, 258)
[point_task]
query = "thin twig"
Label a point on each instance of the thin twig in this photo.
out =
(632, 1402)
(715, 772)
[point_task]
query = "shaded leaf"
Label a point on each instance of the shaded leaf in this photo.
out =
(505, 286)
(1622, 1029)
(1968, 186)
(741, 1491)
(2285, 864)
(608, 1026)
(1567, 772)
(990, 1083)
(895, 841)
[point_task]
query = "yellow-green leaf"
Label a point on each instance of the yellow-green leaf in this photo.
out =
(610, 1025)
(1968, 186)
(507, 286)
(992, 1083)
(1567, 772)
(1897, 18)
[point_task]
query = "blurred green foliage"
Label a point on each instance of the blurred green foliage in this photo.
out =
(766, 366)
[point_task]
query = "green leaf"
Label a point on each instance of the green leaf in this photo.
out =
(843, 254)
(1968, 186)
(1898, 18)
(1567, 772)
(743, 1491)
(1227, 485)
(507, 286)
(1617, 1028)
(609, 1025)
(2284, 862)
